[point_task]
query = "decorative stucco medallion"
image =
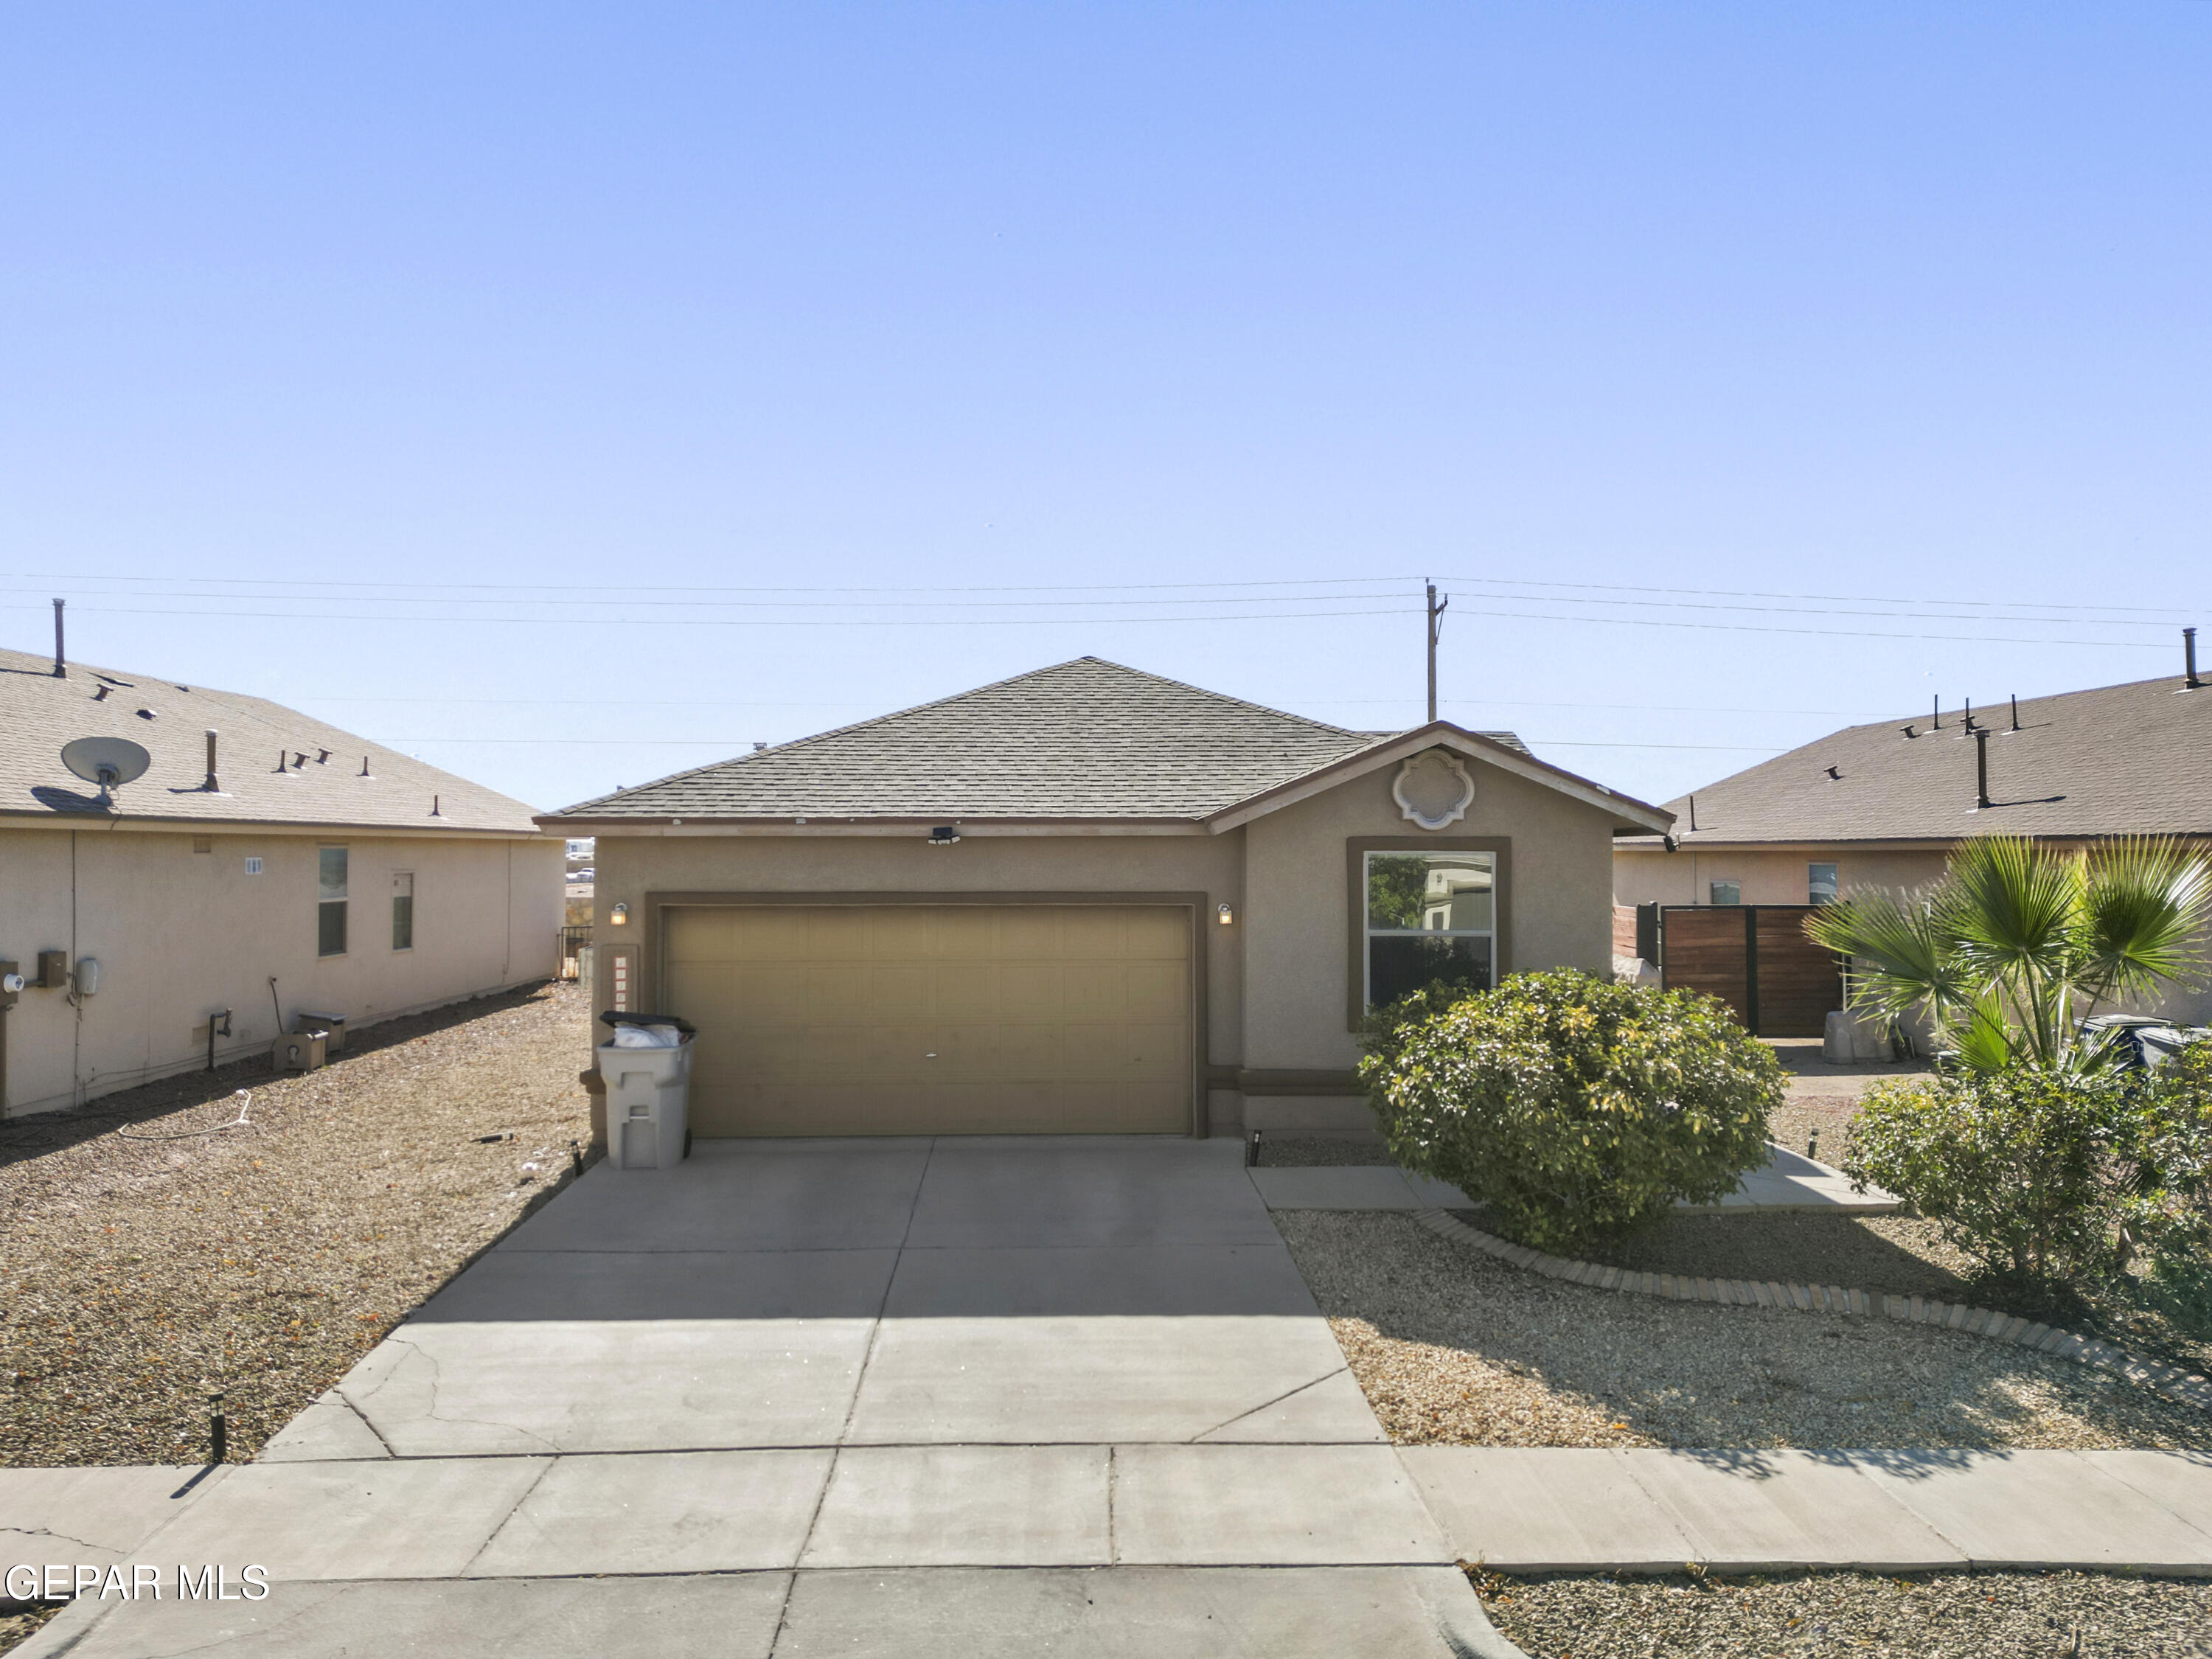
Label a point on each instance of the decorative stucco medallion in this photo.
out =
(1432, 788)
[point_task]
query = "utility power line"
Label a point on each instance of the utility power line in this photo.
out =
(1103, 621)
(1407, 584)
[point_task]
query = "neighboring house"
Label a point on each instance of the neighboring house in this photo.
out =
(1085, 899)
(1880, 805)
(265, 861)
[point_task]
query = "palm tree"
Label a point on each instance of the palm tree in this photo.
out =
(2018, 943)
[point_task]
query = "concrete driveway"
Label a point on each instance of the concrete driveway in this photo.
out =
(971, 1396)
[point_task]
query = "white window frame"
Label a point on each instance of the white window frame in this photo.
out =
(409, 876)
(342, 899)
(1369, 932)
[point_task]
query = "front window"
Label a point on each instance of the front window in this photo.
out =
(1431, 919)
(1820, 884)
(330, 903)
(402, 909)
(1726, 892)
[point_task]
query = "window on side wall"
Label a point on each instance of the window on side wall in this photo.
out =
(1820, 884)
(1431, 917)
(402, 909)
(330, 902)
(1726, 892)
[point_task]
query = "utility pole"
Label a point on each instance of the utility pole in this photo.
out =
(1436, 626)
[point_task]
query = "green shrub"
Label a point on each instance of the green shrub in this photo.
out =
(2015, 1166)
(1578, 1110)
(2167, 1208)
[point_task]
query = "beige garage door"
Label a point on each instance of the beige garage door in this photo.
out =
(935, 1020)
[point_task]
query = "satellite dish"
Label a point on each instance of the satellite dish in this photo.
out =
(107, 761)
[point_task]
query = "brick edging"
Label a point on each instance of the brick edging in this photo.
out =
(2184, 1386)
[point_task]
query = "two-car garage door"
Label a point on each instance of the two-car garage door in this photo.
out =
(935, 1019)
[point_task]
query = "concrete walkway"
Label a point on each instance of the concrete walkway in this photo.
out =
(1787, 1183)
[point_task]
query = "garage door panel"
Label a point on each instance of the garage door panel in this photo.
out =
(1025, 932)
(1097, 990)
(962, 933)
(1156, 934)
(1155, 1051)
(702, 936)
(824, 1020)
(965, 990)
(1031, 991)
(1155, 990)
(900, 932)
(771, 934)
(1033, 1052)
(1088, 934)
(1158, 1108)
(837, 934)
(899, 991)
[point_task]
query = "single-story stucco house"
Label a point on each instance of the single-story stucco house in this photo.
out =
(1086, 899)
(265, 865)
(1881, 806)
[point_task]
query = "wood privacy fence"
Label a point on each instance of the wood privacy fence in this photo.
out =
(1756, 958)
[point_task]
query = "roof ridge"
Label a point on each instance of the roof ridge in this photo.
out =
(813, 738)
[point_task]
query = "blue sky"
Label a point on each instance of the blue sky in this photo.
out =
(576, 330)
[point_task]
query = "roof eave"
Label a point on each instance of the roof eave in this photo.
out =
(1626, 810)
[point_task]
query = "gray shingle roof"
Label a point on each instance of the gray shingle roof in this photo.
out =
(38, 713)
(2121, 759)
(1083, 739)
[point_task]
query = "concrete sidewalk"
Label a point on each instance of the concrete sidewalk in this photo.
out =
(1548, 1510)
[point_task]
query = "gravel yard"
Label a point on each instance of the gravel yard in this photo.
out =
(1952, 1615)
(18, 1622)
(268, 1258)
(1453, 1346)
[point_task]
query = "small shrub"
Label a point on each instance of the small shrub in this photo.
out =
(2167, 1143)
(1577, 1110)
(2015, 1166)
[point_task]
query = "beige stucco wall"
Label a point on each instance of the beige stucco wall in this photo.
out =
(1275, 979)
(181, 935)
(1297, 955)
(1641, 877)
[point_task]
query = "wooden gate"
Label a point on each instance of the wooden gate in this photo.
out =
(1756, 958)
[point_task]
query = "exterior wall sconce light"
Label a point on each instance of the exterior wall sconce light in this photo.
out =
(1225, 916)
(619, 916)
(944, 835)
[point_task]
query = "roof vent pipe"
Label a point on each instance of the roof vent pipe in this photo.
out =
(1693, 811)
(1970, 713)
(1936, 721)
(2188, 655)
(213, 785)
(1981, 768)
(61, 660)
(2015, 711)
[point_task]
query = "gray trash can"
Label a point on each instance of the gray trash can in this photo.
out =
(649, 1104)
